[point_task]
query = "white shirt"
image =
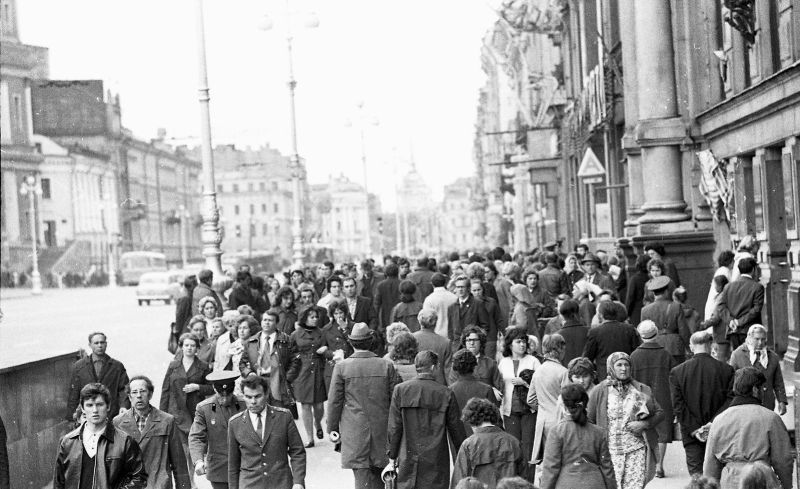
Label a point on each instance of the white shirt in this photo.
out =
(90, 440)
(254, 420)
(351, 305)
(764, 359)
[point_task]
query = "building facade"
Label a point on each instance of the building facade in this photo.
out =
(680, 126)
(155, 184)
(457, 219)
(255, 198)
(20, 66)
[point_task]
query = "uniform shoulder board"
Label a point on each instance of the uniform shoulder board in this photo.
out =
(238, 415)
(280, 409)
(206, 402)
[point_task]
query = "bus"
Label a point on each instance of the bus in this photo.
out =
(134, 263)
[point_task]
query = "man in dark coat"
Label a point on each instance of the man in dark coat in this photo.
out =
(358, 408)
(110, 458)
(208, 436)
(610, 337)
(421, 276)
(422, 415)
(369, 280)
(266, 437)
(361, 310)
(427, 339)
(673, 331)
(267, 354)
(466, 385)
(553, 279)
(701, 388)
(157, 436)
(241, 293)
(98, 367)
(651, 365)
(325, 272)
(387, 295)
(470, 311)
(205, 278)
(574, 332)
(740, 302)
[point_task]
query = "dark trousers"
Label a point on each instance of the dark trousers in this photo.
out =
(368, 478)
(219, 485)
(523, 428)
(736, 339)
(695, 453)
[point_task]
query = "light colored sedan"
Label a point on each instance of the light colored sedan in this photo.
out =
(159, 286)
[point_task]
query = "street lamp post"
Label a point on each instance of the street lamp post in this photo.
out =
(211, 236)
(298, 253)
(362, 122)
(31, 188)
(112, 266)
(183, 214)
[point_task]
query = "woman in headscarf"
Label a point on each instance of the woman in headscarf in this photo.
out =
(408, 308)
(573, 270)
(629, 413)
(208, 309)
(523, 314)
(576, 453)
(308, 381)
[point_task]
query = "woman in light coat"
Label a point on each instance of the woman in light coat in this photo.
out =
(544, 391)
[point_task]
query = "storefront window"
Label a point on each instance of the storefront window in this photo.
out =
(753, 173)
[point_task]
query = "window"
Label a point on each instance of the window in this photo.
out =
(19, 117)
(252, 209)
(264, 229)
(250, 187)
(274, 185)
(262, 186)
(100, 187)
(338, 225)
(275, 207)
(277, 230)
(790, 199)
(45, 184)
(754, 175)
(236, 209)
(235, 187)
(786, 33)
(238, 231)
(263, 208)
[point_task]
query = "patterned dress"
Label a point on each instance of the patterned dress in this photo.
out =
(628, 450)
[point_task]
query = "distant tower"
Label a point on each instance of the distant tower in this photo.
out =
(9, 31)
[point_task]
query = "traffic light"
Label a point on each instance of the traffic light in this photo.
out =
(380, 224)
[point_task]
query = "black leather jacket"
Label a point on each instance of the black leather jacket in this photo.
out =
(121, 468)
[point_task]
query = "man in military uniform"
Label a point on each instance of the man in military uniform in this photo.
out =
(208, 437)
(266, 437)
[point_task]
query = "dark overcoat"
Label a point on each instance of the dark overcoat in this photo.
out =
(178, 403)
(406, 313)
(774, 387)
(162, 450)
(308, 376)
(673, 331)
(281, 362)
(360, 396)
(387, 295)
(253, 462)
(608, 338)
(422, 415)
(112, 375)
(575, 334)
(701, 388)
(428, 340)
(465, 388)
(208, 437)
(489, 454)
(486, 371)
(335, 339)
(742, 299)
(651, 365)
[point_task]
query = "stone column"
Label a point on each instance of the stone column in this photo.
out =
(659, 130)
(633, 153)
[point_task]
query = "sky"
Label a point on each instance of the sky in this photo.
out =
(414, 65)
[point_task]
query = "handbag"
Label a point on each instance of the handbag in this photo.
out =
(172, 343)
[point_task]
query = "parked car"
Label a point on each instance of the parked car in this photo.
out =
(160, 286)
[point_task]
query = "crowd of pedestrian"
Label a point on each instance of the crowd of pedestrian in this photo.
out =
(547, 370)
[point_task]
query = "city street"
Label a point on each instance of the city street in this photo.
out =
(58, 321)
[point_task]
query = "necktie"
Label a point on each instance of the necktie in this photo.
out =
(758, 358)
(259, 427)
